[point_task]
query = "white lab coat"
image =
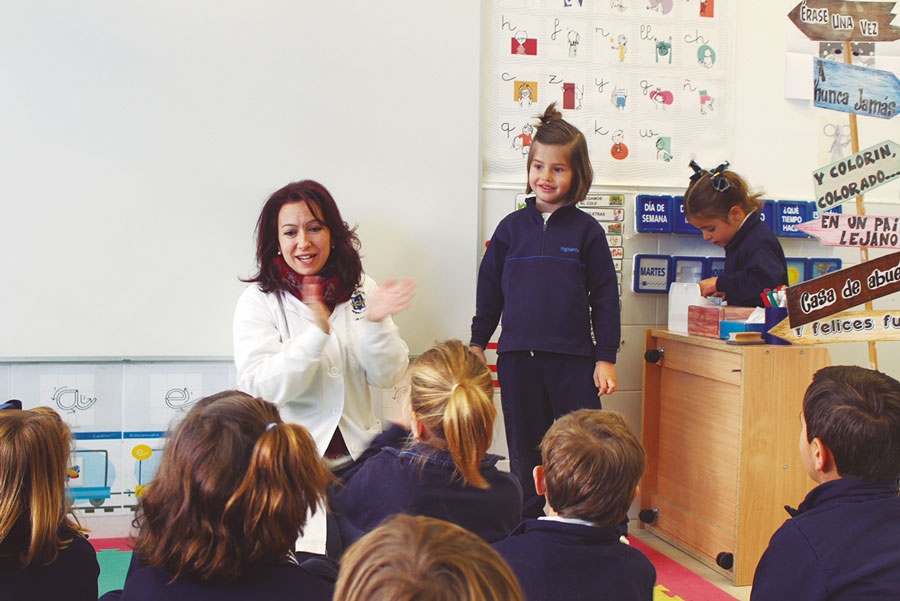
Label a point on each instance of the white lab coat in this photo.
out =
(320, 381)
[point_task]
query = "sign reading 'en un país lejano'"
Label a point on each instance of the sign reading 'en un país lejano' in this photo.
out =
(857, 174)
(835, 21)
(840, 290)
(862, 231)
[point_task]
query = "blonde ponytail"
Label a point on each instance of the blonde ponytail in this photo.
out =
(452, 396)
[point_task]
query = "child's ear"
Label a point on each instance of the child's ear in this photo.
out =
(737, 214)
(417, 427)
(823, 458)
(540, 485)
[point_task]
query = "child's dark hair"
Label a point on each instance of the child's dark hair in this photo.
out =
(555, 130)
(593, 463)
(234, 489)
(702, 200)
(855, 412)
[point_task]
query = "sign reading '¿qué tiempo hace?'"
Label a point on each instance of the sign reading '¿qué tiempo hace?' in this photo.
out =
(840, 290)
(836, 21)
(869, 231)
(857, 174)
(851, 326)
(852, 89)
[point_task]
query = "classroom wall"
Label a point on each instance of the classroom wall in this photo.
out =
(138, 141)
(776, 143)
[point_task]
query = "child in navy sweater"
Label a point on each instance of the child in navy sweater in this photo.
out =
(843, 541)
(719, 204)
(220, 519)
(548, 271)
(44, 553)
(592, 463)
(444, 472)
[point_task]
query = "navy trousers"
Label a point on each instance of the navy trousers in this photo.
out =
(535, 389)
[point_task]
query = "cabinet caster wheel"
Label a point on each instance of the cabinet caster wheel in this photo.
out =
(654, 355)
(648, 516)
(725, 560)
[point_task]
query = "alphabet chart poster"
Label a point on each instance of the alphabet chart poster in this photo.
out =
(649, 83)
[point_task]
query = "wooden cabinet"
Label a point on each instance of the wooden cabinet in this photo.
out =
(721, 427)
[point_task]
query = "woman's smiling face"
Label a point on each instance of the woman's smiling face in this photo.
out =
(304, 241)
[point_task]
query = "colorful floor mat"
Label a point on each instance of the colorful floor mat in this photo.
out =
(674, 581)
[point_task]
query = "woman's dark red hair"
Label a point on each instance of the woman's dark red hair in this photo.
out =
(344, 259)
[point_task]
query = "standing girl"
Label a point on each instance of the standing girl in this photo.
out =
(719, 204)
(445, 473)
(549, 273)
(43, 551)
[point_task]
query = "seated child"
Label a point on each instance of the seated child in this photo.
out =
(720, 205)
(43, 550)
(219, 520)
(592, 463)
(422, 558)
(444, 473)
(843, 541)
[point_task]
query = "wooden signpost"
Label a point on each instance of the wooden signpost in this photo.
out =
(835, 21)
(846, 179)
(855, 326)
(857, 90)
(863, 231)
(839, 290)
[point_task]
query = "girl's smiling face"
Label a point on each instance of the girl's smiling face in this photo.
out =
(550, 176)
(304, 241)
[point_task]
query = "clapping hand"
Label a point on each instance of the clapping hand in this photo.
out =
(390, 298)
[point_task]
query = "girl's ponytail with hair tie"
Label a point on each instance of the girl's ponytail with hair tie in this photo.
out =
(271, 425)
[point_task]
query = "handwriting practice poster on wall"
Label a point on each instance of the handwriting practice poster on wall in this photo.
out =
(649, 83)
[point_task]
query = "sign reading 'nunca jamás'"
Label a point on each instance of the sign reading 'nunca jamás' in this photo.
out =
(835, 21)
(855, 326)
(857, 174)
(857, 90)
(840, 290)
(862, 231)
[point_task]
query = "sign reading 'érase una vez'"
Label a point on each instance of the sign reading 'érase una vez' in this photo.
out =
(852, 89)
(857, 174)
(840, 290)
(835, 21)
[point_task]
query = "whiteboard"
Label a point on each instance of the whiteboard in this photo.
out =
(139, 139)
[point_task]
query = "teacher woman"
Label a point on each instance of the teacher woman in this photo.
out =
(314, 331)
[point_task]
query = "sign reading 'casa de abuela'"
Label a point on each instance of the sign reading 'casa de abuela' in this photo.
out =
(840, 290)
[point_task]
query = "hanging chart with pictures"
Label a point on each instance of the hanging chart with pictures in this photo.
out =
(648, 82)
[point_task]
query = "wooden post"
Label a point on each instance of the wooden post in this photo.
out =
(860, 208)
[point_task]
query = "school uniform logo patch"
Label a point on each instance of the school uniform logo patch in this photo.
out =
(358, 303)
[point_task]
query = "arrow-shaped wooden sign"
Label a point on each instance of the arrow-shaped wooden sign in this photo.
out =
(835, 21)
(856, 326)
(857, 90)
(857, 174)
(839, 290)
(863, 231)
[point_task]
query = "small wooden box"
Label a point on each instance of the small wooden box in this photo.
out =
(704, 321)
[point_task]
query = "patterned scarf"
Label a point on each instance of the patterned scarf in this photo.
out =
(333, 288)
